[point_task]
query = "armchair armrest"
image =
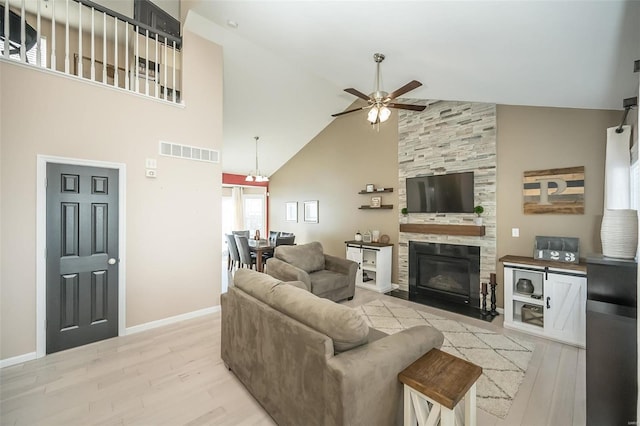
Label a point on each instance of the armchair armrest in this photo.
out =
(366, 378)
(287, 272)
(340, 264)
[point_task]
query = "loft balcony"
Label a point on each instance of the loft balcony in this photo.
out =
(92, 43)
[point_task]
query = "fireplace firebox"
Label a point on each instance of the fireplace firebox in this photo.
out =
(446, 272)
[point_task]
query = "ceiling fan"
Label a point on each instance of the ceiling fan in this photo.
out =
(380, 101)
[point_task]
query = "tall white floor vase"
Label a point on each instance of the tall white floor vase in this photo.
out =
(619, 233)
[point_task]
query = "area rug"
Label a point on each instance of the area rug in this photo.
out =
(504, 359)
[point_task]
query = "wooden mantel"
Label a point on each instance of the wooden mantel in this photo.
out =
(443, 229)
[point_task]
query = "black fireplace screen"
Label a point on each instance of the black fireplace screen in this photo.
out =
(445, 271)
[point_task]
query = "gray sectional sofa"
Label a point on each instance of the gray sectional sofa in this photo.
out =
(311, 361)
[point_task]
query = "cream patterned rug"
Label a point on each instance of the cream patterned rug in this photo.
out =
(504, 360)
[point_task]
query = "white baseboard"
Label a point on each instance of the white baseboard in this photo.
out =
(171, 320)
(17, 359)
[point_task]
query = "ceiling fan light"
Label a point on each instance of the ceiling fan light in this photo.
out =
(372, 116)
(385, 113)
(249, 178)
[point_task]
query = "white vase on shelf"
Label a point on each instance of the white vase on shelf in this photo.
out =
(619, 233)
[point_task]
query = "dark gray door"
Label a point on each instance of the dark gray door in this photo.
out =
(82, 255)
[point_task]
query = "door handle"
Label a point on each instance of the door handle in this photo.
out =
(548, 303)
(112, 261)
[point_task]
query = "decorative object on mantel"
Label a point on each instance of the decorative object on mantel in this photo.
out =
(375, 236)
(560, 249)
(478, 210)
(554, 191)
(619, 233)
(376, 202)
(370, 187)
(256, 176)
(405, 215)
(366, 237)
(384, 239)
(358, 236)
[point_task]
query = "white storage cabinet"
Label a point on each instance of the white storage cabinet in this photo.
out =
(561, 301)
(374, 264)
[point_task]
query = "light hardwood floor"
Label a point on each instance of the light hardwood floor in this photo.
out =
(173, 375)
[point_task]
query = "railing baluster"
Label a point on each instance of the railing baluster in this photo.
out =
(23, 36)
(175, 89)
(104, 48)
(80, 68)
(146, 58)
(126, 56)
(54, 64)
(137, 63)
(166, 89)
(93, 45)
(38, 46)
(115, 55)
(6, 29)
(157, 70)
(66, 40)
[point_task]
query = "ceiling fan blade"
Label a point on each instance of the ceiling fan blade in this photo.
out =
(407, 106)
(347, 112)
(414, 84)
(357, 93)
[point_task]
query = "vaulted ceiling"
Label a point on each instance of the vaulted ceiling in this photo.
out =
(286, 63)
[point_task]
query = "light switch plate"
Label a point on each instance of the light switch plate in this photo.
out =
(515, 232)
(151, 163)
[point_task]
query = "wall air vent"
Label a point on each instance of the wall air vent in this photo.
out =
(187, 152)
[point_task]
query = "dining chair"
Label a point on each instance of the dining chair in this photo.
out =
(243, 233)
(234, 256)
(246, 257)
(285, 241)
(273, 235)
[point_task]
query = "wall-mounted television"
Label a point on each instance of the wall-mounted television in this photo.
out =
(448, 193)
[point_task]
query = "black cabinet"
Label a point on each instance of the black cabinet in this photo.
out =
(612, 354)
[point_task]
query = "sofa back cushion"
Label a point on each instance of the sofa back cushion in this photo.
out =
(346, 327)
(308, 257)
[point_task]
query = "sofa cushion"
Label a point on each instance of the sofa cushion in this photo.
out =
(346, 327)
(308, 257)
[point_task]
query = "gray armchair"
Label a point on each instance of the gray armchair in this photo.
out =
(324, 275)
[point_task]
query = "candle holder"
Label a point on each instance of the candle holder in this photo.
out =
(484, 312)
(493, 284)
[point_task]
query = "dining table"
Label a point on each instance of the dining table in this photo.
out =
(260, 247)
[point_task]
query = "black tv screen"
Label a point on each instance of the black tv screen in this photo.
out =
(450, 193)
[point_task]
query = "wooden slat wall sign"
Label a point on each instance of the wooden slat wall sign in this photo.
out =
(554, 191)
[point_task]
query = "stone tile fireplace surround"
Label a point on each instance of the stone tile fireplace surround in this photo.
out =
(449, 137)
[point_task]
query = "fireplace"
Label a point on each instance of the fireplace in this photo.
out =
(446, 272)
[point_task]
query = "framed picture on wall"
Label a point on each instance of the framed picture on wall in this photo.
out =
(311, 211)
(291, 211)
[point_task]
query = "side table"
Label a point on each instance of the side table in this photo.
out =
(441, 380)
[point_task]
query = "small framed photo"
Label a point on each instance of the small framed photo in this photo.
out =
(370, 187)
(376, 202)
(311, 211)
(291, 211)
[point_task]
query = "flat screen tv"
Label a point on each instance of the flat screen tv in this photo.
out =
(449, 193)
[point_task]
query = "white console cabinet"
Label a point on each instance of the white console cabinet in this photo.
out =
(374, 264)
(557, 307)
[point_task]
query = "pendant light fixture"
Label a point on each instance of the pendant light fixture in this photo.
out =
(256, 176)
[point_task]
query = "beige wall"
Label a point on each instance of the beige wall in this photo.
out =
(348, 154)
(172, 222)
(532, 138)
(332, 168)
